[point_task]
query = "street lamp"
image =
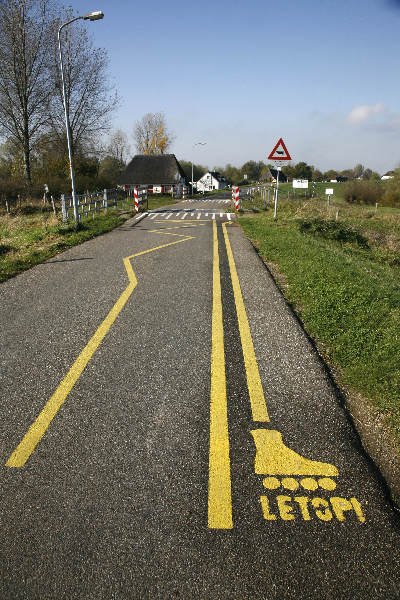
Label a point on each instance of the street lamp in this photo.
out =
(92, 16)
(197, 144)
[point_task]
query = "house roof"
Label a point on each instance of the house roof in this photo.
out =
(274, 174)
(217, 175)
(146, 170)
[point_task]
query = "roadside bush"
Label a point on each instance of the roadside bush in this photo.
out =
(12, 188)
(363, 192)
(391, 196)
(4, 248)
(332, 230)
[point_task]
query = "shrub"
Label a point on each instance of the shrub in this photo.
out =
(363, 192)
(391, 197)
(332, 230)
(392, 191)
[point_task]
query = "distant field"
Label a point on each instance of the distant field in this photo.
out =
(343, 279)
(336, 202)
(157, 201)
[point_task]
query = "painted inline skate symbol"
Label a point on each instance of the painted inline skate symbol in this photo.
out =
(287, 468)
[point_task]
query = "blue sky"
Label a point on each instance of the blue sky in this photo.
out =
(321, 74)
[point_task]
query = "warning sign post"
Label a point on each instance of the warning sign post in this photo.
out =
(280, 157)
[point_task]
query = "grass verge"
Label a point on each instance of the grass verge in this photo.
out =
(342, 277)
(156, 201)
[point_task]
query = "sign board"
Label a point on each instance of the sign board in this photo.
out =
(280, 157)
(280, 152)
(300, 183)
(245, 176)
(157, 189)
(329, 191)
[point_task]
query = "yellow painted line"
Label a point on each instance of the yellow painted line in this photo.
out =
(39, 427)
(256, 393)
(219, 484)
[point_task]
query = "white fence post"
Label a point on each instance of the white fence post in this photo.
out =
(64, 209)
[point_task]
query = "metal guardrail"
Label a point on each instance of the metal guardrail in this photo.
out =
(257, 197)
(139, 192)
(93, 203)
(181, 191)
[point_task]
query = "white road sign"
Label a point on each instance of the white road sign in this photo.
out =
(300, 183)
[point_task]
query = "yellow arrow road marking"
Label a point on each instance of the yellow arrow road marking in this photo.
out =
(39, 427)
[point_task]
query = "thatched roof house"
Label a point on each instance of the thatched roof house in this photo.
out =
(160, 172)
(272, 174)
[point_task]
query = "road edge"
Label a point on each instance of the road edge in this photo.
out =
(376, 441)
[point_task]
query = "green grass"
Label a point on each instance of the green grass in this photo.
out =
(343, 279)
(27, 240)
(158, 201)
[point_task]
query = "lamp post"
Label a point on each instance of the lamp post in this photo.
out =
(197, 144)
(92, 16)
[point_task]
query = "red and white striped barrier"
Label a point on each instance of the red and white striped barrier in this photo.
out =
(136, 194)
(235, 196)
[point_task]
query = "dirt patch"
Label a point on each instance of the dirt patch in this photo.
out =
(377, 440)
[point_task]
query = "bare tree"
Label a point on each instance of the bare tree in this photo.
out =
(24, 76)
(118, 146)
(90, 97)
(151, 134)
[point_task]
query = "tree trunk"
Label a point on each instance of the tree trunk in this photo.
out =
(27, 145)
(27, 160)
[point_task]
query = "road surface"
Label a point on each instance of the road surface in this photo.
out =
(168, 430)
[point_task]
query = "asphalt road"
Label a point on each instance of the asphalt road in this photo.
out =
(168, 431)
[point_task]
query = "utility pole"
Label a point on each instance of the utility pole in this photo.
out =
(93, 16)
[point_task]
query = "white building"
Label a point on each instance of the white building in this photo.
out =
(388, 175)
(211, 181)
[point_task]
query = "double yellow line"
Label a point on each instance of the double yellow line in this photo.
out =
(219, 498)
(219, 485)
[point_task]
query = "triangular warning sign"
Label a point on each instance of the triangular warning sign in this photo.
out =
(280, 152)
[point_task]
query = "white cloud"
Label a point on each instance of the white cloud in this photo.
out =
(363, 112)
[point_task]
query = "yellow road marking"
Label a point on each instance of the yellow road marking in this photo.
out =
(39, 427)
(256, 393)
(219, 485)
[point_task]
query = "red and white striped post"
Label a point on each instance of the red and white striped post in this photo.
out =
(183, 192)
(235, 196)
(135, 192)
